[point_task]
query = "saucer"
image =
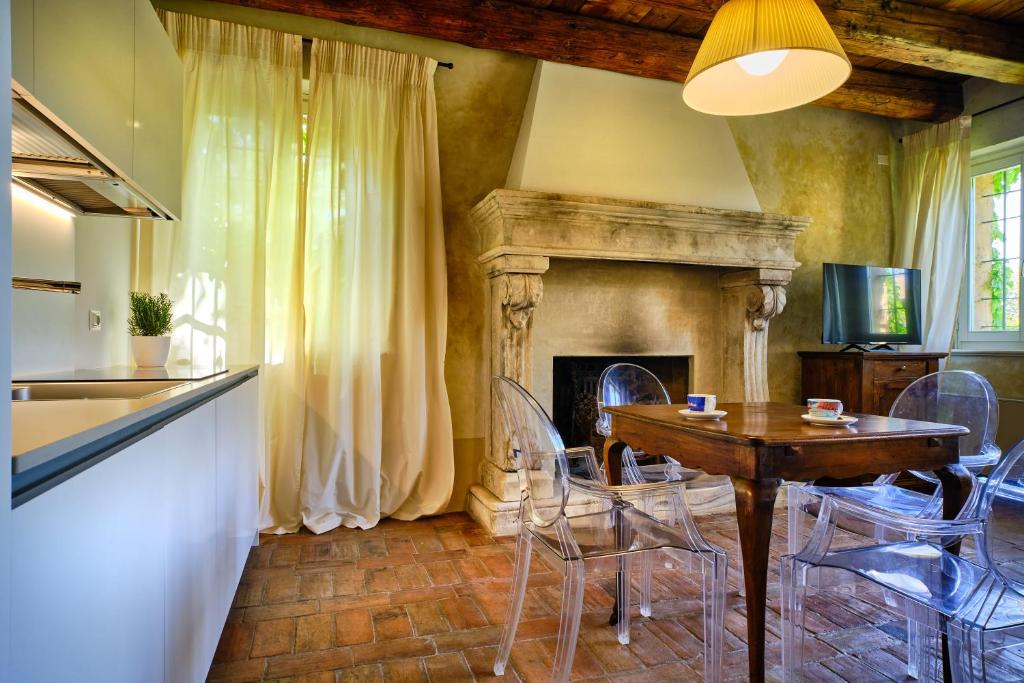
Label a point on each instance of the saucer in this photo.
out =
(709, 415)
(841, 421)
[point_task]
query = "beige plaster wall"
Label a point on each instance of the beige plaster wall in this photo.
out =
(594, 308)
(821, 163)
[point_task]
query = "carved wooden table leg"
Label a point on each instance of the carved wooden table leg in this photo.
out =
(613, 460)
(956, 487)
(755, 505)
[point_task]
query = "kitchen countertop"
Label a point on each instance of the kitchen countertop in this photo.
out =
(54, 440)
(126, 373)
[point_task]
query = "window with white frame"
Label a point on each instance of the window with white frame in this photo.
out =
(990, 314)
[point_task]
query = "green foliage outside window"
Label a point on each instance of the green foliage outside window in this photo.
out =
(1001, 277)
(895, 307)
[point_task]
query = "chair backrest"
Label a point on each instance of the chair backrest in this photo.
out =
(538, 452)
(1001, 505)
(957, 397)
(625, 384)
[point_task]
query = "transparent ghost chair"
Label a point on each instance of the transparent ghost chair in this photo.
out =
(606, 526)
(955, 397)
(952, 397)
(977, 603)
(696, 493)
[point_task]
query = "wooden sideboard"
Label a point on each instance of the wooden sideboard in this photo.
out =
(865, 381)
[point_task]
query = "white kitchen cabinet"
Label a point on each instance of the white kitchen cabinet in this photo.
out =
(82, 52)
(21, 42)
(158, 90)
(87, 578)
(191, 626)
(107, 70)
(126, 571)
(238, 456)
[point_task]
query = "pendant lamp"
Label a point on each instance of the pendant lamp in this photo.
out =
(761, 56)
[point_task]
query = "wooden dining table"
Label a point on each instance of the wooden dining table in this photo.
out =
(758, 445)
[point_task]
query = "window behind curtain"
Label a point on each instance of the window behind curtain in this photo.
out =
(991, 310)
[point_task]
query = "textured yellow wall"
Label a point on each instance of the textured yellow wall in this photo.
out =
(1005, 371)
(821, 163)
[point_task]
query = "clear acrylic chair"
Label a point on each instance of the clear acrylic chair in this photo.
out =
(952, 397)
(955, 397)
(977, 603)
(697, 493)
(609, 526)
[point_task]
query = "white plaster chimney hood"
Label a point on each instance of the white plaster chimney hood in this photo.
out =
(601, 134)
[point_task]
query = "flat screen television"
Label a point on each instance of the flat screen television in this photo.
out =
(870, 305)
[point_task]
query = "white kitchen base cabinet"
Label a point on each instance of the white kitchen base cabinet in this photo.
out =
(126, 571)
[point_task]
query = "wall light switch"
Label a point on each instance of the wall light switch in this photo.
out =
(94, 321)
(883, 159)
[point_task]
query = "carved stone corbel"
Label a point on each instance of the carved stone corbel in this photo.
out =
(751, 298)
(764, 302)
(516, 288)
(519, 294)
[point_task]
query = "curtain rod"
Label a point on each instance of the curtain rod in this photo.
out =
(992, 108)
(998, 106)
(444, 65)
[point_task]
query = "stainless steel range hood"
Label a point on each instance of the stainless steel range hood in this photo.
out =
(47, 160)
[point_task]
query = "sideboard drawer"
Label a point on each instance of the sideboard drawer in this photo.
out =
(900, 369)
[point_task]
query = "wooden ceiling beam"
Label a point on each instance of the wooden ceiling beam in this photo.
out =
(585, 41)
(925, 36)
(908, 33)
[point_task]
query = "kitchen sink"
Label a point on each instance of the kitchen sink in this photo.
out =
(66, 391)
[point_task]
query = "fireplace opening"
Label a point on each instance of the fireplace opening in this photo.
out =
(574, 390)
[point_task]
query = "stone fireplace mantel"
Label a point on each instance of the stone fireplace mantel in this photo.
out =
(521, 231)
(515, 225)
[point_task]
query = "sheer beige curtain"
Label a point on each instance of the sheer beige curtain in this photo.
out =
(932, 215)
(233, 264)
(337, 287)
(378, 439)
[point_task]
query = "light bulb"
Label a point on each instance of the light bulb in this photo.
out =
(762, 63)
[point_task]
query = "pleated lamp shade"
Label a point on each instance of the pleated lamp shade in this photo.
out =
(761, 56)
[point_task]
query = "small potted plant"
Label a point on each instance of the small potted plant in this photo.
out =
(150, 326)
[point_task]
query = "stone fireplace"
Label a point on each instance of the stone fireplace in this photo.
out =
(593, 277)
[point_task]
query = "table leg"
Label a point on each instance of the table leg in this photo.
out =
(755, 506)
(613, 460)
(956, 487)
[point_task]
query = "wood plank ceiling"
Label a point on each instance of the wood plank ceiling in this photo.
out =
(909, 56)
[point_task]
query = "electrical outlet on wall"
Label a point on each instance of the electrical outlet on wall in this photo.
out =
(94, 321)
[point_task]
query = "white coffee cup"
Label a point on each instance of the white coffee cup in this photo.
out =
(701, 403)
(830, 408)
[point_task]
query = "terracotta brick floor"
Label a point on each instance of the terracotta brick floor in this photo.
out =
(424, 601)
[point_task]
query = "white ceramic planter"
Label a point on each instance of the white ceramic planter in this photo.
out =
(151, 352)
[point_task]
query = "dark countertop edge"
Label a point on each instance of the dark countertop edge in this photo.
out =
(115, 436)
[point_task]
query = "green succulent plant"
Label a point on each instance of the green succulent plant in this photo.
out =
(150, 314)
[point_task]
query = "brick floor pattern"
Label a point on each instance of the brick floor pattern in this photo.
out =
(425, 600)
